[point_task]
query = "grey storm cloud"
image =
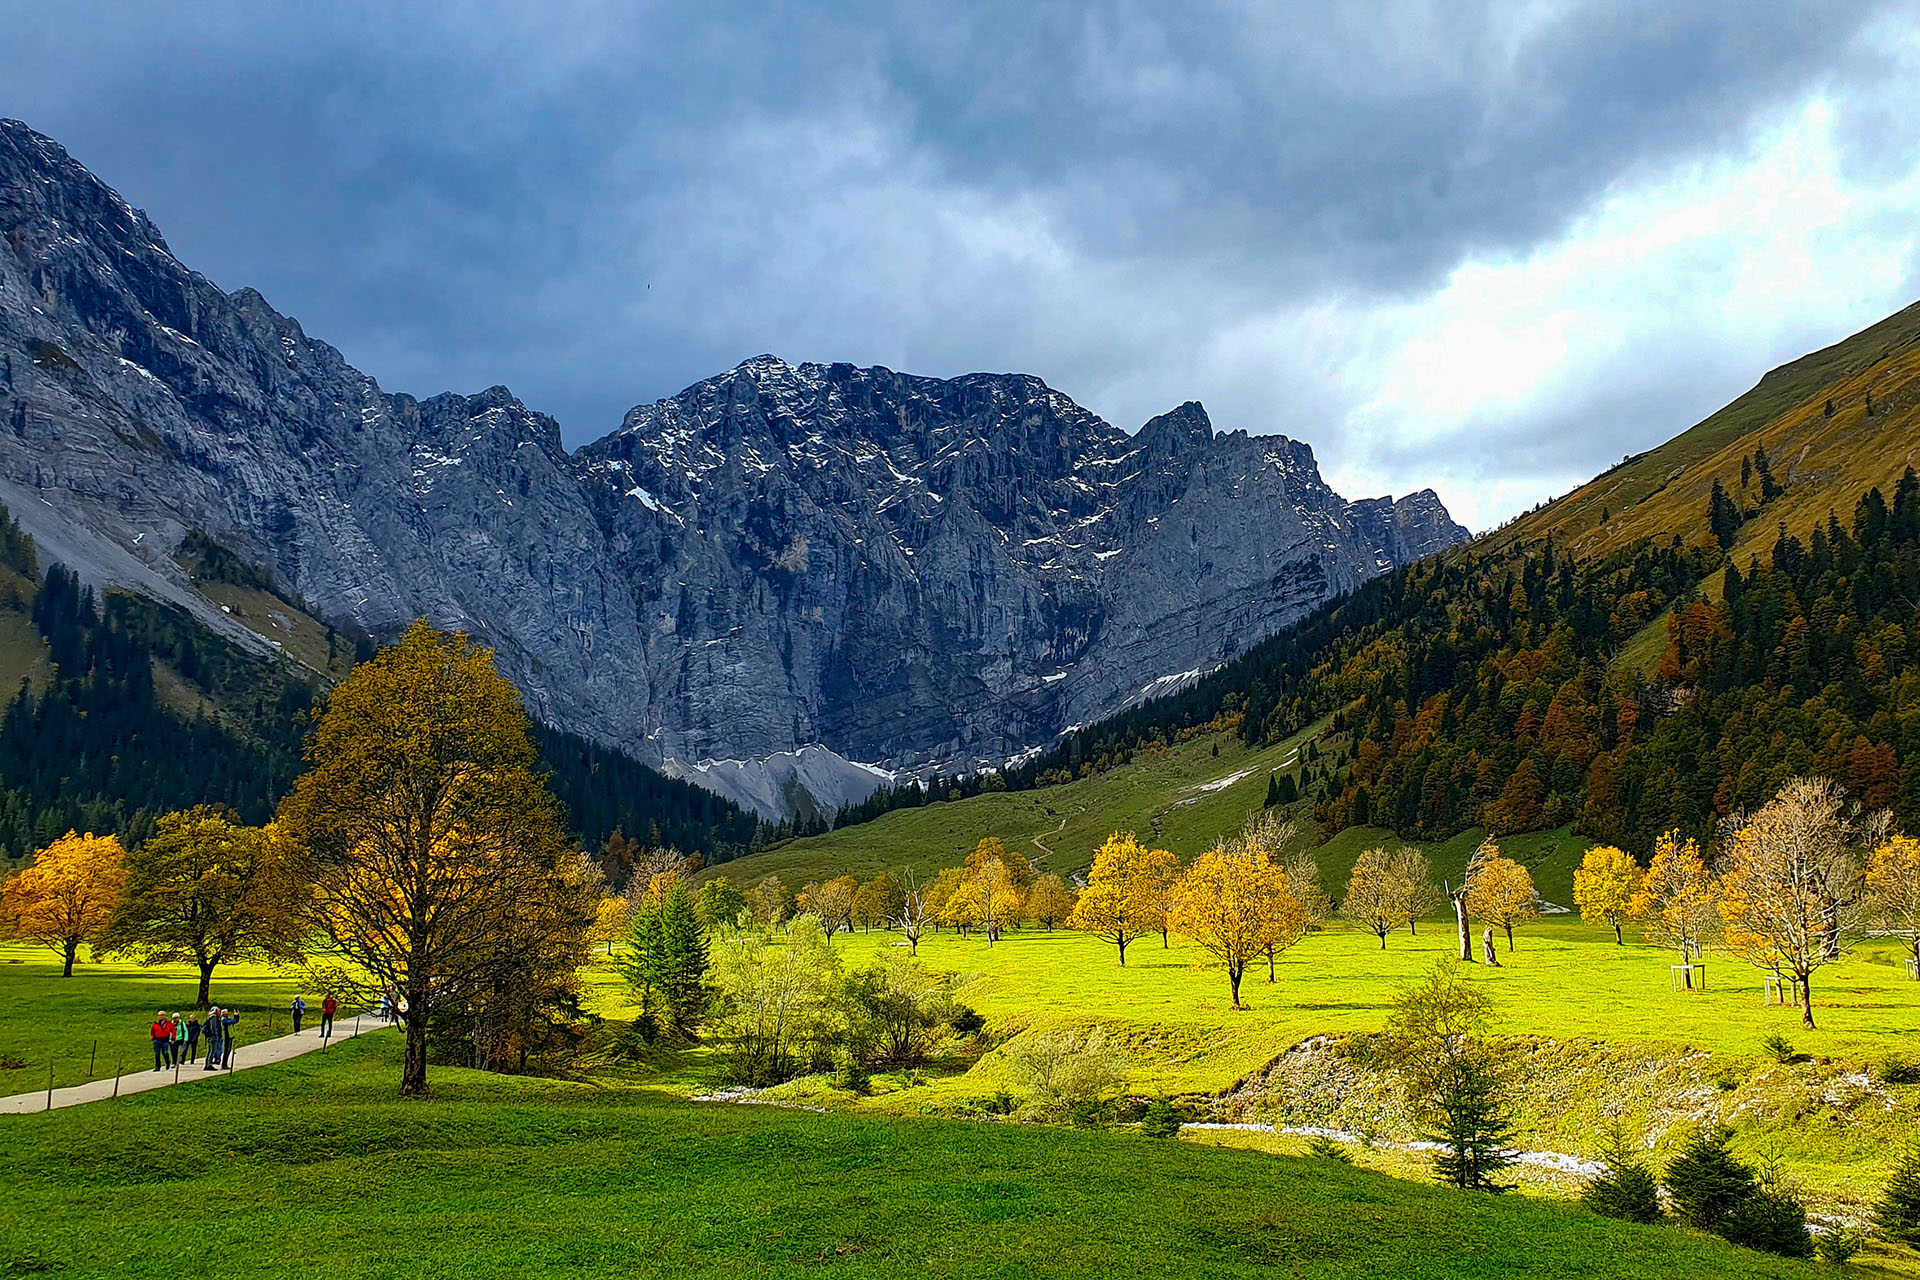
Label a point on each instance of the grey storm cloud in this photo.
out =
(600, 203)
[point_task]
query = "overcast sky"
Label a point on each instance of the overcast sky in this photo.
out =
(1487, 248)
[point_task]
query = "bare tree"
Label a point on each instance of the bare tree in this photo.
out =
(915, 913)
(1792, 889)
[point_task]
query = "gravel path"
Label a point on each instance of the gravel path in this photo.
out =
(247, 1056)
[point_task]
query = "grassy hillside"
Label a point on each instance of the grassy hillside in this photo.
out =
(316, 1169)
(1182, 797)
(1824, 461)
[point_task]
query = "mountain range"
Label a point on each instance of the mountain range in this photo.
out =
(753, 584)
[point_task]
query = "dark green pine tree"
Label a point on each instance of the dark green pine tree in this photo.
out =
(644, 964)
(683, 968)
(1769, 487)
(1723, 516)
(1706, 1182)
(1898, 1212)
(1470, 1123)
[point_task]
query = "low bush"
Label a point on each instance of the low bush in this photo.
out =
(1321, 1147)
(1779, 1047)
(1894, 1069)
(1070, 1070)
(1161, 1119)
(1838, 1246)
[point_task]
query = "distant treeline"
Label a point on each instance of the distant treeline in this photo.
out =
(99, 748)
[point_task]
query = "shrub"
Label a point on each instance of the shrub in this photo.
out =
(1068, 1069)
(1772, 1220)
(966, 1022)
(1706, 1181)
(1626, 1189)
(1838, 1246)
(1779, 1047)
(1161, 1119)
(1895, 1069)
(1898, 1212)
(896, 1008)
(853, 1077)
(1321, 1147)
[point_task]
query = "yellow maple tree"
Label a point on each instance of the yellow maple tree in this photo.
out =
(1676, 897)
(1499, 890)
(67, 896)
(1604, 886)
(1235, 904)
(1126, 893)
(1379, 895)
(1893, 892)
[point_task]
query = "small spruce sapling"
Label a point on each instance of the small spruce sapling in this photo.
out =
(1706, 1181)
(1897, 1214)
(1626, 1189)
(1161, 1119)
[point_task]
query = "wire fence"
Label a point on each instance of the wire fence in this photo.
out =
(118, 1056)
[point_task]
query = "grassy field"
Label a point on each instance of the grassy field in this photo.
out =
(313, 1168)
(99, 1017)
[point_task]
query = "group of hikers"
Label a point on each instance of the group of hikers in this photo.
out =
(177, 1037)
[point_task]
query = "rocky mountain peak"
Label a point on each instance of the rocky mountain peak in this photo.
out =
(908, 571)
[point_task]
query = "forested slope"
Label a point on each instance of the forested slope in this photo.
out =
(127, 708)
(1658, 649)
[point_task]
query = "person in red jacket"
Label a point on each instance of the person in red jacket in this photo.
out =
(162, 1034)
(328, 1008)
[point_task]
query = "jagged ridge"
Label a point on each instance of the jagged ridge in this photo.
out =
(910, 571)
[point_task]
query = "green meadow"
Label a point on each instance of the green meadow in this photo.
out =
(314, 1168)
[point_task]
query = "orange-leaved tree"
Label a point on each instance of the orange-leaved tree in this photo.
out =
(441, 863)
(1234, 903)
(206, 890)
(1605, 885)
(67, 896)
(1123, 899)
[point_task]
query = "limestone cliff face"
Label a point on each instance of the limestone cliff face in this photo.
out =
(907, 570)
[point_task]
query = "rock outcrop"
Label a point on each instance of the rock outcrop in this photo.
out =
(909, 571)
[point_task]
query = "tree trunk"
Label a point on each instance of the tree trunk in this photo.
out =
(1618, 941)
(1493, 957)
(1806, 1000)
(1163, 939)
(1509, 928)
(1123, 953)
(206, 983)
(413, 1070)
(1466, 930)
(72, 947)
(1269, 964)
(1233, 976)
(1411, 931)
(1383, 939)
